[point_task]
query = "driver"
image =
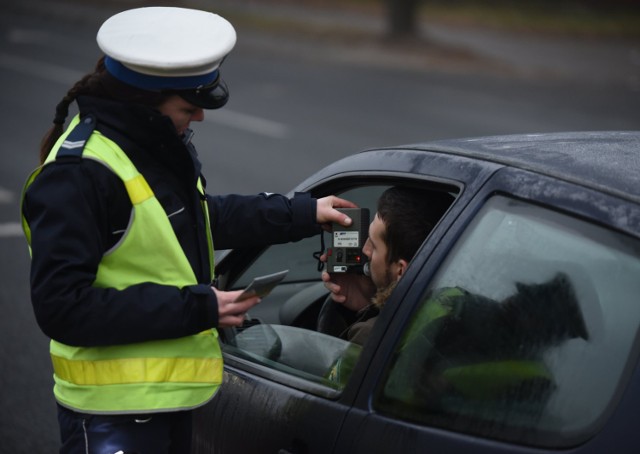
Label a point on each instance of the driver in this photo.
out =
(404, 218)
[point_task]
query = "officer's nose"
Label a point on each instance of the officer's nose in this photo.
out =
(198, 115)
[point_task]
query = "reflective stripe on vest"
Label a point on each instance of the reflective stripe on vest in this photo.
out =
(149, 376)
(488, 379)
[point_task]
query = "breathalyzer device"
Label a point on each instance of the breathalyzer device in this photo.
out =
(344, 255)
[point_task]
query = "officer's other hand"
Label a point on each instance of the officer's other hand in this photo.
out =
(326, 212)
(353, 291)
(230, 311)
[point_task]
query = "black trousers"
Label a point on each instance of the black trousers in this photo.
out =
(157, 433)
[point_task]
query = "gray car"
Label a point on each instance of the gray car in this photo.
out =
(547, 224)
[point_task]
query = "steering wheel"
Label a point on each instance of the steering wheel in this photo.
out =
(334, 319)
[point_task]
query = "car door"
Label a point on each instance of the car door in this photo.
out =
(516, 332)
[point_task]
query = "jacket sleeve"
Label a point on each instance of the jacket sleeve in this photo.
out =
(69, 209)
(260, 220)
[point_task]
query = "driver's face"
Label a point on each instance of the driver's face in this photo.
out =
(376, 250)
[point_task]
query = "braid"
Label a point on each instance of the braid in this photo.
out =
(100, 84)
(85, 85)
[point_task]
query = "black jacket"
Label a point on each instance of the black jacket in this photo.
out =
(78, 209)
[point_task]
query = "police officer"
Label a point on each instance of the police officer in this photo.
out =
(121, 231)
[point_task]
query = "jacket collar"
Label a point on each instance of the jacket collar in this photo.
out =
(142, 132)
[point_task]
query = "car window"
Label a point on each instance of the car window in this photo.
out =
(282, 331)
(525, 333)
(268, 338)
(298, 257)
(291, 301)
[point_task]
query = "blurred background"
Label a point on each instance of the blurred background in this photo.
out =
(311, 81)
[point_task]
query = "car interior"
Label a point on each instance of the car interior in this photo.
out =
(283, 330)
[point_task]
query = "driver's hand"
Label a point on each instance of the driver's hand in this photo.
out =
(353, 291)
(232, 312)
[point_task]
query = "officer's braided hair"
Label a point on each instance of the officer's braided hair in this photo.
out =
(100, 84)
(409, 215)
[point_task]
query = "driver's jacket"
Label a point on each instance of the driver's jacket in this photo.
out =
(125, 293)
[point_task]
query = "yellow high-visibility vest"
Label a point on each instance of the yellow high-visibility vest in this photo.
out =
(162, 375)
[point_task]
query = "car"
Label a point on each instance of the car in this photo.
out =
(535, 350)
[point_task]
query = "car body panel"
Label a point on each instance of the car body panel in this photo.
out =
(588, 176)
(278, 419)
(607, 161)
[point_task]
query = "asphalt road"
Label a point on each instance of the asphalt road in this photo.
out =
(298, 103)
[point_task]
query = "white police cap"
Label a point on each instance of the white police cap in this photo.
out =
(169, 48)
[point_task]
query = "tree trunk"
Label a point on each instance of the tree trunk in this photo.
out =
(402, 18)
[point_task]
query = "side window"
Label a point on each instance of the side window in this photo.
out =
(298, 257)
(283, 332)
(525, 334)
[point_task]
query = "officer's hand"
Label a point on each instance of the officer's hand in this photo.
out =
(230, 311)
(353, 291)
(326, 212)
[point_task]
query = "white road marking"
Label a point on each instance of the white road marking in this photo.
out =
(28, 36)
(249, 123)
(6, 196)
(65, 76)
(42, 70)
(10, 229)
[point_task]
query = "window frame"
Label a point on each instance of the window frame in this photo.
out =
(236, 263)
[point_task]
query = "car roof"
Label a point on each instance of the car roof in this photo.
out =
(608, 161)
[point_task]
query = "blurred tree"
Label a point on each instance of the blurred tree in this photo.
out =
(402, 18)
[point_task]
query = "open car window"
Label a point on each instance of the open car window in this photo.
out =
(298, 257)
(289, 302)
(526, 333)
(282, 333)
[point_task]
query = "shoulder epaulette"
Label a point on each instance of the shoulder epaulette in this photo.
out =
(77, 139)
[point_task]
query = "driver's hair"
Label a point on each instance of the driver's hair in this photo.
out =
(409, 215)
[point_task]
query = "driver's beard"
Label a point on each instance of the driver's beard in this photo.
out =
(382, 294)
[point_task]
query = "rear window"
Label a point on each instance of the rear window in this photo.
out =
(525, 334)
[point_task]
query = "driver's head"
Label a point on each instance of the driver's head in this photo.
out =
(404, 218)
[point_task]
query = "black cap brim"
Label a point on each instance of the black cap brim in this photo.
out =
(207, 97)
